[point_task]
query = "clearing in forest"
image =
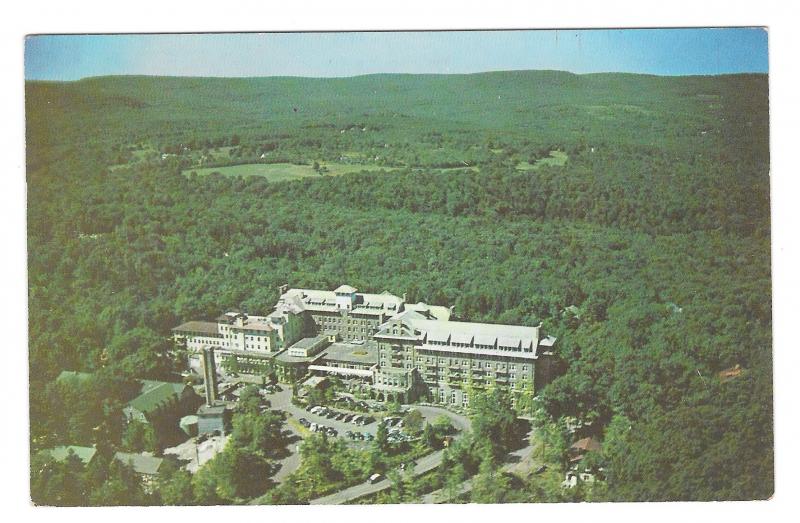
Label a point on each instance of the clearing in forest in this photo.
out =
(278, 172)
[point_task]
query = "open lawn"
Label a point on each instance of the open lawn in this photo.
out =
(278, 172)
(556, 159)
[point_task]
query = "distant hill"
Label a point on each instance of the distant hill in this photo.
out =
(550, 103)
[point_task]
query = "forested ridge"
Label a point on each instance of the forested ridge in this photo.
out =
(647, 253)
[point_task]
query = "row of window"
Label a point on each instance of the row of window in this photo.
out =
(394, 382)
(232, 345)
(339, 321)
(474, 345)
(464, 396)
(247, 337)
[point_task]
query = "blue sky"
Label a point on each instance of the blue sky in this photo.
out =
(653, 51)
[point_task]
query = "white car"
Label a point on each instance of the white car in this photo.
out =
(375, 478)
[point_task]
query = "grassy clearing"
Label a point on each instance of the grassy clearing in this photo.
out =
(556, 159)
(277, 172)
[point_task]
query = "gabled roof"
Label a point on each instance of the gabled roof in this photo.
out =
(325, 301)
(397, 328)
(480, 333)
(459, 337)
(141, 463)
(200, 327)
(85, 454)
(547, 341)
(156, 393)
(586, 445)
(431, 312)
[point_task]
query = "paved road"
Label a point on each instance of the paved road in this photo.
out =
(424, 464)
(518, 461)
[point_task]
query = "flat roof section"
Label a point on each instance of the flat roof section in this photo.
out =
(306, 343)
(366, 353)
(284, 357)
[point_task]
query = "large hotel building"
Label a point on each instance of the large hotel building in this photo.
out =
(397, 350)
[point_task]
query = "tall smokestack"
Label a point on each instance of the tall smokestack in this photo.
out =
(210, 375)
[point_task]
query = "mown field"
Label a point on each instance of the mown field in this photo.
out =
(555, 159)
(279, 172)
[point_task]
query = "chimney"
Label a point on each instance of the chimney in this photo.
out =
(210, 375)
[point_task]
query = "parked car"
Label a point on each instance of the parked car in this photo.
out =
(304, 422)
(331, 431)
(370, 437)
(348, 417)
(313, 427)
(375, 478)
(349, 434)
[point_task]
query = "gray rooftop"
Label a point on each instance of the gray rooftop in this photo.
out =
(472, 335)
(306, 343)
(284, 357)
(366, 353)
(141, 463)
(504, 334)
(198, 327)
(325, 301)
(211, 410)
(431, 312)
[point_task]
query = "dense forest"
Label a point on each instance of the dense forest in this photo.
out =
(646, 252)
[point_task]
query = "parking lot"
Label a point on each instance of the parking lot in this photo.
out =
(280, 399)
(355, 423)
